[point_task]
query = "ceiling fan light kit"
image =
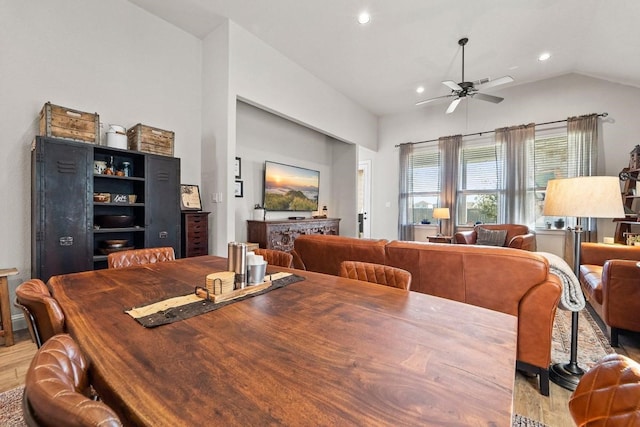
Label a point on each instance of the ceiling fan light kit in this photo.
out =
(464, 89)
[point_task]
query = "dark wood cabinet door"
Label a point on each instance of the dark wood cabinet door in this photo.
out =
(61, 242)
(162, 202)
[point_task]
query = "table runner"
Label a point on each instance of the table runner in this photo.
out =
(190, 305)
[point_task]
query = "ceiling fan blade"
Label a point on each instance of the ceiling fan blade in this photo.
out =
(451, 84)
(485, 97)
(494, 82)
(437, 98)
(453, 105)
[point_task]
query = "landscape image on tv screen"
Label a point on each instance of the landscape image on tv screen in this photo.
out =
(290, 188)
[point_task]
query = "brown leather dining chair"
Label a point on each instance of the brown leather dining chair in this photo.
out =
(275, 257)
(57, 389)
(376, 273)
(608, 394)
(133, 257)
(41, 311)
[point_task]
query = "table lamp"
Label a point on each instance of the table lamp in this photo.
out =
(581, 197)
(440, 214)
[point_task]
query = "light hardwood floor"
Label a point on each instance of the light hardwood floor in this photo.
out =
(552, 410)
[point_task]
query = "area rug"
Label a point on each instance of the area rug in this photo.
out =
(11, 404)
(592, 346)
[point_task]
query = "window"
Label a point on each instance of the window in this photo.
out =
(550, 161)
(480, 182)
(425, 182)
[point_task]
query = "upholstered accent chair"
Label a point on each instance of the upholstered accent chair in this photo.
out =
(57, 389)
(139, 257)
(41, 311)
(507, 235)
(608, 394)
(275, 257)
(376, 273)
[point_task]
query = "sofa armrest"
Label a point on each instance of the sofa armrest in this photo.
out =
(621, 294)
(526, 242)
(466, 237)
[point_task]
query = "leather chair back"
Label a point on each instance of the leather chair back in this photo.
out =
(274, 257)
(376, 273)
(41, 310)
(140, 256)
(57, 389)
(608, 394)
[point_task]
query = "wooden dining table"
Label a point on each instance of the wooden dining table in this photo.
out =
(322, 351)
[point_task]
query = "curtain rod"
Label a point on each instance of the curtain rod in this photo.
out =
(605, 114)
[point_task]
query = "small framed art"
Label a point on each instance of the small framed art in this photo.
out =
(190, 198)
(238, 189)
(237, 168)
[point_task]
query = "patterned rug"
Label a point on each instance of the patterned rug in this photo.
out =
(592, 346)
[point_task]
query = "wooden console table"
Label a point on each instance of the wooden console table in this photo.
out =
(280, 234)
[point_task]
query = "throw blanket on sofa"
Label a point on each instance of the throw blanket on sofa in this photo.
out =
(571, 298)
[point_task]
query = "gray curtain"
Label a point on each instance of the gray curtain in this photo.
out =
(582, 138)
(449, 147)
(519, 206)
(405, 198)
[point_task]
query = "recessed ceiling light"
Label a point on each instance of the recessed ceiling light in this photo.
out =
(544, 56)
(420, 89)
(364, 18)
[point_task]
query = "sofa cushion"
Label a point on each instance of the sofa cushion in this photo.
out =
(591, 281)
(491, 237)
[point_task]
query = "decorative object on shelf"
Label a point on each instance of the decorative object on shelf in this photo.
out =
(101, 197)
(114, 221)
(65, 123)
(238, 189)
(99, 167)
(259, 213)
(150, 140)
(440, 214)
(561, 200)
(559, 223)
(190, 197)
(325, 211)
(237, 168)
(126, 168)
(117, 137)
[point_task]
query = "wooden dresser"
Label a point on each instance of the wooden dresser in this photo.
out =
(195, 234)
(280, 234)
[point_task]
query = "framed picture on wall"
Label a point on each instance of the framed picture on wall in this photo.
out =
(237, 168)
(238, 189)
(190, 198)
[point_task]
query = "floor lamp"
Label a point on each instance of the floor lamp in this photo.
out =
(582, 197)
(440, 214)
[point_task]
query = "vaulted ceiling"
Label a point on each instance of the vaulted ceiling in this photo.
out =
(411, 43)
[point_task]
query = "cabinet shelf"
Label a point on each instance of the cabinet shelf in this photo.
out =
(118, 204)
(123, 178)
(117, 230)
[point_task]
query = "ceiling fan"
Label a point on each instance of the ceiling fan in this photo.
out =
(464, 89)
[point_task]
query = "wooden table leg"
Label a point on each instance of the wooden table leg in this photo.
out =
(5, 308)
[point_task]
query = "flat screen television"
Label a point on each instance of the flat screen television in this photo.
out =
(290, 188)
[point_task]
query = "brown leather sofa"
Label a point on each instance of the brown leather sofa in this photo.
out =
(518, 236)
(610, 280)
(511, 281)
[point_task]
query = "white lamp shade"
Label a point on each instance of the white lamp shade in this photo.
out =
(441, 213)
(585, 197)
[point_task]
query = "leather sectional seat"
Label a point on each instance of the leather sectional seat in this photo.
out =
(508, 280)
(610, 280)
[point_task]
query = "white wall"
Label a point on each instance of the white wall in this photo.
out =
(548, 100)
(106, 57)
(259, 75)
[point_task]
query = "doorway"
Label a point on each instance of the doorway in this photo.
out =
(364, 199)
